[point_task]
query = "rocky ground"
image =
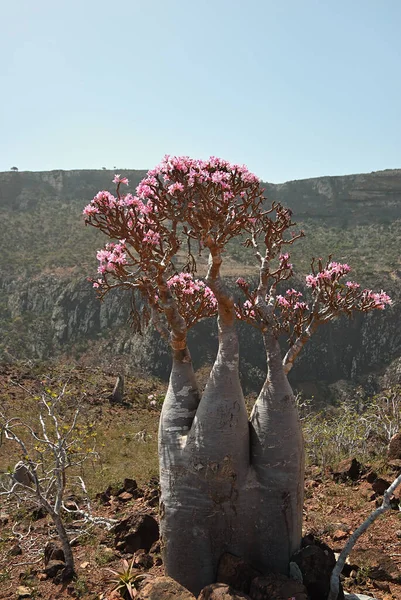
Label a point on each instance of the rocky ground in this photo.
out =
(335, 505)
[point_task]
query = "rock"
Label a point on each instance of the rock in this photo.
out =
(164, 588)
(130, 485)
(15, 550)
(53, 551)
(4, 518)
(394, 447)
(358, 597)
(125, 496)
(221, 591)
(138, 532)
(380, 485)
(84, 565)
(339, 535)
(236, 572)
(277, 587)
(371, 476)
(152, 497)
(24, 592)
(142, 559)
(53, 567)
(379, 566)
(316, 562)
(347, 469)
(39, 513)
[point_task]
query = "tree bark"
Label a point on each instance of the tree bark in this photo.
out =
(277, 458)
(204, 459)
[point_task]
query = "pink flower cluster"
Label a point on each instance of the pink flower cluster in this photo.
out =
(110, 257)
(333, 271)
(379, 299)
(213, 171)
(102, 202)
(291, 300)
(184, 283)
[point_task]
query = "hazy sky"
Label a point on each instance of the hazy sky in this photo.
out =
(292, 88)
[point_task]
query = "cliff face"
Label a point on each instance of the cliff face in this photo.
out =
(343, 201)
(49, 314)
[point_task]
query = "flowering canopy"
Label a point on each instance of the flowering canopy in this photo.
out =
(183, 201)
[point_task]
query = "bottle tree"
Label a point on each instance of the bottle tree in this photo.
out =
(228, 483)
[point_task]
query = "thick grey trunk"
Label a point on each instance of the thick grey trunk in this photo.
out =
(204, 459)
(277, 456)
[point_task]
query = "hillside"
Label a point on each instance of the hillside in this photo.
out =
(47, 307)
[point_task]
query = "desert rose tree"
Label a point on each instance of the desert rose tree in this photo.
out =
(228, 483)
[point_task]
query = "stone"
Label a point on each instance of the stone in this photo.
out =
(347, 469)
(16, 550)
(137, 532)
(164, 588)
(339, 535)
(143, 560)
(39, 513)
(125, 496)
(394, 447)
(235, 572)
(130, 485)
(53, 551)
(277, 587)
(380, 485)
(316, 562)
(24, 592)
(371, 476)
(4, 518)
(380, 566)
(221, 591)
(53, 567)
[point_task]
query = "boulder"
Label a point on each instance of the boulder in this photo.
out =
(53, 551)
(380, 485)
(236, 573)
(380, 566)
(316, 561)
(53, 567)
(394, 447)
(138, 532)
(350, 468)
(277, 587)
(221, 591)
(166, 588)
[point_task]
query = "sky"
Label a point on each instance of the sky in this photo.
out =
(291, 88)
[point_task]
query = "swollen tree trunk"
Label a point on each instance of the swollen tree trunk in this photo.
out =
(204, 459)
(277, 458)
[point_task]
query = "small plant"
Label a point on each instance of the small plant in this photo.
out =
(127, 579)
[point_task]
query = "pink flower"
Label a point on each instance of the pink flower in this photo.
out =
(281, 301)
(241, 281)
(175, 187)
(90, 210)
(311, 280)
(352, 285)
(119, 179)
